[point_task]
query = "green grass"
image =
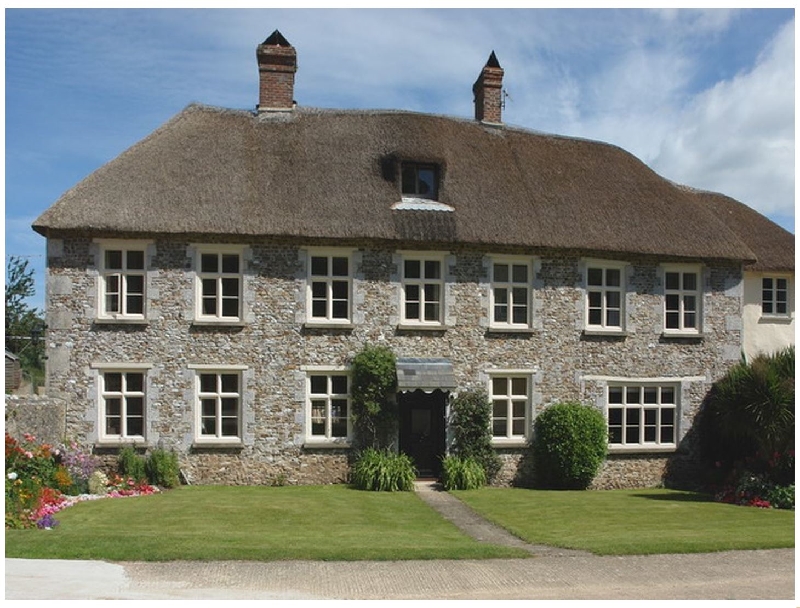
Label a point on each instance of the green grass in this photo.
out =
(631, 522)
(253, 523)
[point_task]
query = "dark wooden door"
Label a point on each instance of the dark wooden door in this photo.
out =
(422, 430)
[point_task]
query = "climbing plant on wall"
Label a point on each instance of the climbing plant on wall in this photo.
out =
(374, 382)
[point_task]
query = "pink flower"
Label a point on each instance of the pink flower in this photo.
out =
(29, 454)
(29, 438)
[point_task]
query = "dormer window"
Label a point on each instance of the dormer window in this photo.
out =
(420, 180)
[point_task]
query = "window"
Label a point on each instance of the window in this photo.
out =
(328, 406)
(641, 415)
(219, 398)
(682, 301)
(329, 288)
(122, 282)
(604, 297)
(774, 296)
(510, 407)
(510, 294)
(122, 405)
(219, 280)
(423, 289)
(420, 180)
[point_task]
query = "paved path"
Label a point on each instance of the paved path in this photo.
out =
(549, 574)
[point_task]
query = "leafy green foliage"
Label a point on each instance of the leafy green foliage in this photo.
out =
(374, 378)
(383, 471)
(471, 421)
(131, 464)
(24, 325)
(749, 413)
(162, 468)
(570, 444)
(462, 473)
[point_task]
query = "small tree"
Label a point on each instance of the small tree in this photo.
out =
(374, 381)
(570, 441)
(471, 421)
(24, 325)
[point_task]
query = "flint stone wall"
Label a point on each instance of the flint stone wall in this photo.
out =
(275, 347)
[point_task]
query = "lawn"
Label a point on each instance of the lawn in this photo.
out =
(626, 522)
(253, 523)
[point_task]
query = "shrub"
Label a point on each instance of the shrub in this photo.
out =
(383, 471)
(570, 442)
(79, 464)
(374, 378)
(462, 473)
(749, 415)
(162, 468)
(131, 464)
(471, 421)
(98, 483)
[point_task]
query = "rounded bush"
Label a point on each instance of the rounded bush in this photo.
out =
(569, 445)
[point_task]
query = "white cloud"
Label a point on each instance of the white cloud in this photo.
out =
(738, 136)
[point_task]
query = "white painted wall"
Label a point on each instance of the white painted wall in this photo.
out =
(765, 333)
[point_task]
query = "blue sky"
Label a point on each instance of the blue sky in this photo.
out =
(706, 98)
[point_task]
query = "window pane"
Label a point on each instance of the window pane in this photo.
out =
(114, 260)
(134, 383)
(319, 290)
(518, 427)
(613, 318)
(615, 434)
(135, 406)
(113, 425)
(339, 310)
(501, 273)
(667, 434)
(319, 384)
(209, 306)
(499, 409)
(112, 303)
(615, 394)
(520, 295)
(433, 269)
(339, 290)
(650, 416)
(615, 416)
(613, 277)
(668, 416)
(134, 305)
(319, 266)
(427, 182)
(412, 269)
(594, 276)
(766, 306)
(230, 262)
(613, 299)
(673, 320)
(431, 292)
(766, 285)
(499, 428)
(673, 280)
(208, 407)
(595, 316)
(520, 315)
(208, 383)
(518, 409)
(135, 260)
(632, 394)
(409, 179)
(667, 394)
(113, 382)
(230, 427)
(651, 394)
(339, 427)
(431, 312)
(209, 262)
(501, 314)
(499, 386)
(520, 273)
(413, 311)
(412, 293)
(230, 287)
(780, 308)
(319, 308)
(689, 303)
(209, 287)
(113, 406)
(595, 299)
(112, 283)
(673, 302)
(340, 266)
(230, 307)
(690, 281)
(519, 386)
(230, 383)
(339, 385)
(781, 284)
(690, 320)
(135, 426)
(230, 406)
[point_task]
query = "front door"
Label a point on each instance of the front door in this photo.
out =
(422, 430)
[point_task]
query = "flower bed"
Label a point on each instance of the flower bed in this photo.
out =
(42, 480)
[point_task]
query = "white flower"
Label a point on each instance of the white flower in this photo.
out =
(12, 475)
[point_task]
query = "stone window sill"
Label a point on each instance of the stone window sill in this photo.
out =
(603, 333)
(682, 335)
(200, 444)
(642, 449)
(499, 329)
(326, 445)
(121, 321)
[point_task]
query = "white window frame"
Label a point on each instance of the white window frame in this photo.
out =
(218, 438)
(510, 397)
(219, 276)
(604, 289)
(420, 283)
(328, 280)
(123, 437)
(122, 276)
(682, 293)
(510, 285)
(328, 439)
(774, 292)
(658, 406)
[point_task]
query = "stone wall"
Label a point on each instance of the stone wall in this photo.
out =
(43, 417)
(274, 348)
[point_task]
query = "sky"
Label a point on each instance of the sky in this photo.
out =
(704, 97)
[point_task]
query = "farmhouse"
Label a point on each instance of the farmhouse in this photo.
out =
(208, 288)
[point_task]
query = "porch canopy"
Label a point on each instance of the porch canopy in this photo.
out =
(428, 375)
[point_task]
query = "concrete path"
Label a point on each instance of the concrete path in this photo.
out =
(550, 574)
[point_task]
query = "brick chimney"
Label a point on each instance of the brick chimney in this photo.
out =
(277, 63)
(488, 92)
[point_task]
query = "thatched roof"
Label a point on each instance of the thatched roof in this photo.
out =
(334, 175)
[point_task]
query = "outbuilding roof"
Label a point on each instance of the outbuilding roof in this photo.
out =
(334, 174)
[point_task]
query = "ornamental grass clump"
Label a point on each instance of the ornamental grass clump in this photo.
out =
(569, 444)
(383, 471)
(462, 473)
(162, 468)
